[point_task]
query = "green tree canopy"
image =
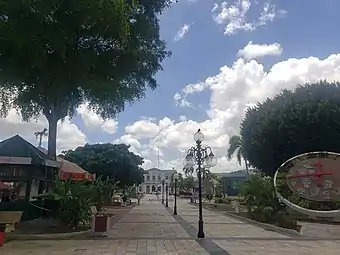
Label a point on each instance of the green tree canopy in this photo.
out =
(302, 120)
(57, 54)
(109, 160)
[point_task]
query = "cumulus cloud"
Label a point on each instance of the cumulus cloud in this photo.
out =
(234, 16)
(256, 51)
(93, 121)
(182, 32)
(232, 90)
(69, 135)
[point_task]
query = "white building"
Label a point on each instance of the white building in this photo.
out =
(153, 180)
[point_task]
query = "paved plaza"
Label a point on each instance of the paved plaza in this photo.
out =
(151, 229)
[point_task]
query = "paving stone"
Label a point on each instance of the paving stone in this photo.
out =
(275, 247)
(150, 229)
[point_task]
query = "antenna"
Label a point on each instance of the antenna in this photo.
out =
(158, 161)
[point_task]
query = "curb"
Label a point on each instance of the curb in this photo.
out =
(57, 236)
(266, 226)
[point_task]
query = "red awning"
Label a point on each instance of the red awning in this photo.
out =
(3, 186)
(69, 169)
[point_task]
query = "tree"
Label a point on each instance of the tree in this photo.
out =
(188, 184)
(56, 55)
(114, 161)
(236, 147)
(293, 122)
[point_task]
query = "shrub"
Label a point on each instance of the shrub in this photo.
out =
(223, 200)
(260, 199)
(75, 199)
(219, 200)
(209, 197)
(102, 192)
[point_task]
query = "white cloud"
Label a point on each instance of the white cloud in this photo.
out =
(256, 51)
(93, 121)
(142, 129)
(68, 135)
(180, 101)
(235, 16)
(232, 90)
(182, 32)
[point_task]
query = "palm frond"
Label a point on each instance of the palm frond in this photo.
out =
(239, 156)
(235, 143)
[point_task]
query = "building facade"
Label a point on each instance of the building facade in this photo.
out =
(153, 180)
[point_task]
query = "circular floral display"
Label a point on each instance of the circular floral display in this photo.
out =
(310, 181)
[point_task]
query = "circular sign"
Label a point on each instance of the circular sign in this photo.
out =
(313, 176)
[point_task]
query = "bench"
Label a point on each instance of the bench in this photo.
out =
(9, 219)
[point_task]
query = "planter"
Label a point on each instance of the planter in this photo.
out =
(2, 234)
(100, 225)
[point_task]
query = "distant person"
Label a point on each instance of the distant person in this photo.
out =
(139, 196)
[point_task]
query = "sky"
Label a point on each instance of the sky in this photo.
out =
(226, 56)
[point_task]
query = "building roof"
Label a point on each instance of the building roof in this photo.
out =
(18, 147)
(162, 170)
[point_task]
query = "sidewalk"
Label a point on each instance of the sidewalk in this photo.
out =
(239, 238)
(151, 229)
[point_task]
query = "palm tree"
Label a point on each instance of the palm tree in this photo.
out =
(236, 146)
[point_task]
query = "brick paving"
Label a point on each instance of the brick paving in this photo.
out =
(150, 229)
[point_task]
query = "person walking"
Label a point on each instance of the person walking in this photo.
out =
(139, 196)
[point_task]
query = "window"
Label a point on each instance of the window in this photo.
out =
(154, 178)
(166, 177)
(159, 178)
(148, 178)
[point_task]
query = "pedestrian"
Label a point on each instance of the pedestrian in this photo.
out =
(139, 198)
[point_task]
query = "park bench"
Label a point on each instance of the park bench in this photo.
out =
(9, 219)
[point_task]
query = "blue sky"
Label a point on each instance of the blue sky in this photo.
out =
(278, 39)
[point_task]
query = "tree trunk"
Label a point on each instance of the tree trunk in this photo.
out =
(247, 170)
(52, 135)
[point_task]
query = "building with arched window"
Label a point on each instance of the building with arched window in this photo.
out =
(153, 180)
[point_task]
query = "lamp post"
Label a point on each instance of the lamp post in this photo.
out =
(163, 190)
(166, 194)
(175, 204)
(203, 158)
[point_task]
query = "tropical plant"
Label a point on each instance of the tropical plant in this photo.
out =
(102, 191)
(293, 122)
(187, 184)
(236, 147)
(260, 198)
(57, 54)
(75, 200)
(219, 189)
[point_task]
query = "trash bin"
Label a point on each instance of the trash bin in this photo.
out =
(100, 224)
(2, 234)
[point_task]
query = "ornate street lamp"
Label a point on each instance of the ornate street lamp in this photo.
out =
(166, 194)
(203, 158)
(163, 182)
(175, 204)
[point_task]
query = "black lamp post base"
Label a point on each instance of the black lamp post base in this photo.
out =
(200, 233)
(175, 211)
